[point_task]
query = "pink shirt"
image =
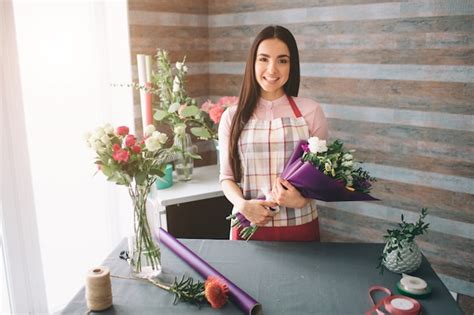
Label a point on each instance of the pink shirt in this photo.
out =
(269, 110)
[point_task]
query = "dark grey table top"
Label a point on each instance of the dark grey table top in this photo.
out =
(286, 278)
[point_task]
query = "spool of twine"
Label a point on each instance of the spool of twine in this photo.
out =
(98, 289)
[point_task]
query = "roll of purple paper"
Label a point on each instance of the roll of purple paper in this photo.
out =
(244, 301)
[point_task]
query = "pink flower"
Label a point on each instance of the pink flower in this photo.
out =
(116, 147)
(207, 105)
(305, 147)
(122, 130)
(121, 156)
(227, 101)
(130, 140)
(136, 148)
(216, 114)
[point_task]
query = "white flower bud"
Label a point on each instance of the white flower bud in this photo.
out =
(185, 68)
(175, 87)
(179, 65)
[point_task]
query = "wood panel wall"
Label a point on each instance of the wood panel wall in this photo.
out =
(396, 81)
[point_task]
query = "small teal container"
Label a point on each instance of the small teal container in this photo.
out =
(167, 180)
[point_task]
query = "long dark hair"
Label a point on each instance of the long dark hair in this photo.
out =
(250, 90)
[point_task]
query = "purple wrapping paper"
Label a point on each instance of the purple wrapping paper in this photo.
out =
(237, 295)
(312, 183)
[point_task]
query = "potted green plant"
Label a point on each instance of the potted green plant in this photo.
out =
(401, 254)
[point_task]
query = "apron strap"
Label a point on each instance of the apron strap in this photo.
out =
(295, 108)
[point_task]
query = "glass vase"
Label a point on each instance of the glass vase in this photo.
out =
(184, 163)
(144, 252)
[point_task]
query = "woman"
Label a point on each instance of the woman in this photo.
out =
(260, 134)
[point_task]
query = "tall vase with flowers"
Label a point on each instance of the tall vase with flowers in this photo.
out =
(177, 109)
(136, 164)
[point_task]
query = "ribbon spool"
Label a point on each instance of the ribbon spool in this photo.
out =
(393, 304)
(413, 287)
(98, 289)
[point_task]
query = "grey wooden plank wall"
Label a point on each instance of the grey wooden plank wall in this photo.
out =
(396, 81)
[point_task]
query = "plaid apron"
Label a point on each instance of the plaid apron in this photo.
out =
(264, 147)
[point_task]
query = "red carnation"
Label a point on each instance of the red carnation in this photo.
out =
(122, 130)
(136, 149)
(130, 140)
(216, 291)
(116, 147)
(121, 156)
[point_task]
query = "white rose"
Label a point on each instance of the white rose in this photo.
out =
(315, 145)
(162, 138)
(92, 139)
(97, 145)
(108, 129)
(105, 139)
(99, 132)
(179, 65)
(152, 144)
(149, 130)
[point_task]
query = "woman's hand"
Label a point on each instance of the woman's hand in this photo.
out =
(257, 211)
(287, 195)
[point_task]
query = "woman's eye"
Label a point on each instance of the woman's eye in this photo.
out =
(262, 59)
(283, 61)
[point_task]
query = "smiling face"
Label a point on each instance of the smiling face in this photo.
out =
(272, 68)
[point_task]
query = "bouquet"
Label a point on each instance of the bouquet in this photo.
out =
(322, 172)
(128, 161)
(215, 110)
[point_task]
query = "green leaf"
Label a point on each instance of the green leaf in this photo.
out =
(200, 132)
(140, 178)
(194, 156)
(160, 114)
(189, 111)
(106, 170)
(157, 172)
(174, 107)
